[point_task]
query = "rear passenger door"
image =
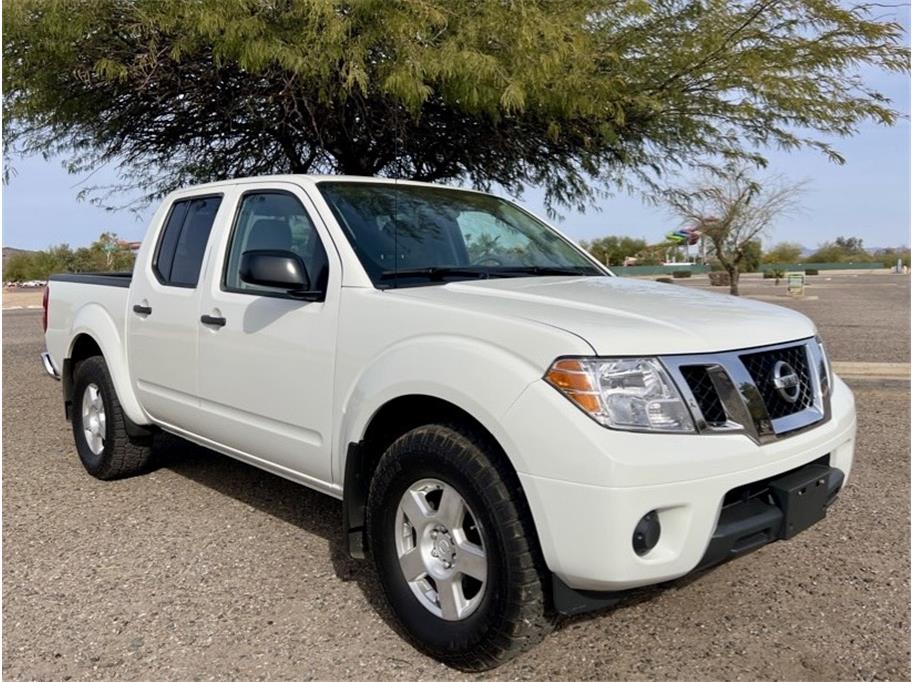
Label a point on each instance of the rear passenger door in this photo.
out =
(163, 312)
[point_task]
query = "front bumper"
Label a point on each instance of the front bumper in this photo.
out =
(752, 516)
(608, 480)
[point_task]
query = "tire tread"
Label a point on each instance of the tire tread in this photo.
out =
(123, 455)
(528, 619)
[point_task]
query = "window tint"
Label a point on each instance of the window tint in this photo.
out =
(168, 240)
(414, 228)
(274, 220)
(183, 241)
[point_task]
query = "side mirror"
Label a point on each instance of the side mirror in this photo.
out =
(274, 268)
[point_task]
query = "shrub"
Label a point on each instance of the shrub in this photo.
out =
(811, 271)
(773, 273)
(664, 280)
(681, 274)
(720, 279)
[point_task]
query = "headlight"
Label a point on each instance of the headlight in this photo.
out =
(622, 393)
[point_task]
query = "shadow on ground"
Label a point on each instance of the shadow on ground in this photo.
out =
(309, 510)
(321, 515)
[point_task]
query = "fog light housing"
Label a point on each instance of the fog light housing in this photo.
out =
(646, 534)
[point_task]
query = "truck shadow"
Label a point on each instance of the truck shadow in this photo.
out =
(321, 515)
(309, 510)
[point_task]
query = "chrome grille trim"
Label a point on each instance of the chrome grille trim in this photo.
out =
(743, 401)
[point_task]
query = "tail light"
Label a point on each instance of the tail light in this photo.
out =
(44, 308)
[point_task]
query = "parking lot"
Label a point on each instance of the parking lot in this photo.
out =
(207, 568)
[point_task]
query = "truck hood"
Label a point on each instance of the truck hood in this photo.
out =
(618, 316)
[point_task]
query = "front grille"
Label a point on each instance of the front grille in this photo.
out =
(761, 366)
(704, 392)
(737, 392)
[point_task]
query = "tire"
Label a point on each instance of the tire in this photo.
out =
(106, 450)
(508, 613)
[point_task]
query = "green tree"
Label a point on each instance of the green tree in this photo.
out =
(55, 259)
(613, 250)
(784, 252)
(890, 255)
(841, 250)
(105, 254)
(733, 210)
(575, 96)
(19, 268)
(753, 254)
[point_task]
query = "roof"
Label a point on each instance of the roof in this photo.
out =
(297, 178)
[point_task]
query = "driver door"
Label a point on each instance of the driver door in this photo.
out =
(266, 363)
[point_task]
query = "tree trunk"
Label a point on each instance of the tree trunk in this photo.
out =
(734, 275)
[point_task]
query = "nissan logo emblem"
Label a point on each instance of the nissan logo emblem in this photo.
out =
(786, 381)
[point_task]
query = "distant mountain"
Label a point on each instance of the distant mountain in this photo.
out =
(9, 251)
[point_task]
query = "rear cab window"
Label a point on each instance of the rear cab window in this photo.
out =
(182, 243)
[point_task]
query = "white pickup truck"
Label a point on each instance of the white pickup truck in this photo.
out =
(514, 432)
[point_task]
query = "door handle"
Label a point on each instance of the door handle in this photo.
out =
(214, 321)
(142, 309)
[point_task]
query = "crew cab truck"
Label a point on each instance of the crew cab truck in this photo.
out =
(514, 432)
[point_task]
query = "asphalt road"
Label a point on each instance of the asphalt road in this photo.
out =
(207, 568)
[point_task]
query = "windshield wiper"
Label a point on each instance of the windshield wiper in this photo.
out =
(548, 270)
(438, 273)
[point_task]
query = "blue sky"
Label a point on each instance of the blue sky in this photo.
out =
(868, 197)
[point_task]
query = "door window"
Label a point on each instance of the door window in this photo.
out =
(275, 221)
(183, 241)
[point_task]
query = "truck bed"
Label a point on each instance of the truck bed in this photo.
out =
(88, 302)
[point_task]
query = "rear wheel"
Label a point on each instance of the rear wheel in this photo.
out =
(455, 549)
(99, 426)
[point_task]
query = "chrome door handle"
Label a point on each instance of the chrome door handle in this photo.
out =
(213, 321)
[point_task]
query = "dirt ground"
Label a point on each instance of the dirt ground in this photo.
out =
(15, 299)
(207, 568)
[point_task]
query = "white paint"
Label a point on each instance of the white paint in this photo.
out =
(287, 385)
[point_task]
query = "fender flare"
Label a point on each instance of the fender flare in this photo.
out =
(94, 321)
(478, 379)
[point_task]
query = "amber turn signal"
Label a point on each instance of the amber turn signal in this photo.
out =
(574, 380)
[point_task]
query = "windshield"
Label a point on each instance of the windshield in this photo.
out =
(408, 235)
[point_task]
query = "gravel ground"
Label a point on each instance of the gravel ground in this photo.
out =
(862, 317)
(207, 568)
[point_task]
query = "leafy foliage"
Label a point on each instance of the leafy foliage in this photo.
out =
(613, 250)
(890, 255)
(784, 252)
(576, 96)
(104, 255)
(841, 250)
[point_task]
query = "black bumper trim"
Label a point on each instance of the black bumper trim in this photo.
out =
(743, 526)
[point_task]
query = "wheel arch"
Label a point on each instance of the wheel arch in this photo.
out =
(391, 420)
(83, 346)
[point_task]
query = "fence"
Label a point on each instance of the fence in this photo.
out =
(647, 270)
(657, 270)
(797, 267)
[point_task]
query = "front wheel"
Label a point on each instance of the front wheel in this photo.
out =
(455, 550)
